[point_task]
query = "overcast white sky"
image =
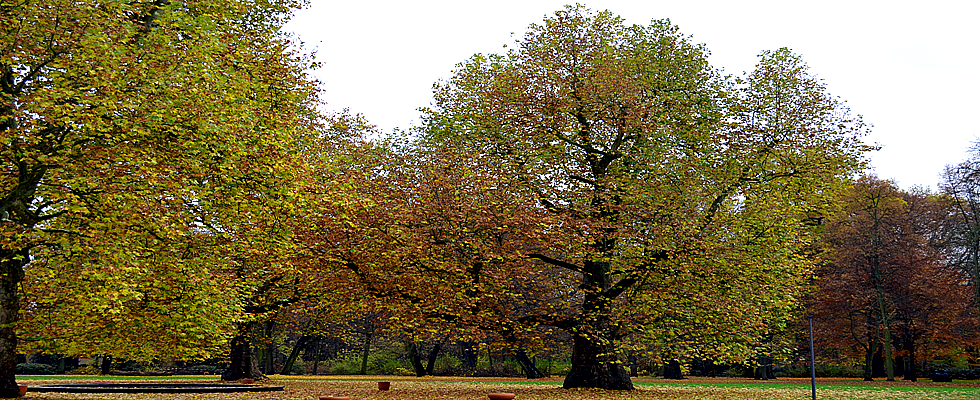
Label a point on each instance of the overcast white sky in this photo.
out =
(910, 68)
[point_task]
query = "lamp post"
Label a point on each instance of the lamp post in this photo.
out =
(813, 364)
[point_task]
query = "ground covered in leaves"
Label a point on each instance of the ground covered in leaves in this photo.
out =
(403, 388)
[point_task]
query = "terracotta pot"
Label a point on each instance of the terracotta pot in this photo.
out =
(23, 389)
(248, 381)
(384, 385)
(501, 396)
(334, 397)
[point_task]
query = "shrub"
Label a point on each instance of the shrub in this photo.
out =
(560, 367)
(85, 370)
(35, 369)
(344, 366)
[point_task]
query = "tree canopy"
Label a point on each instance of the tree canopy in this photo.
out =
(667, 178)
(148, 149)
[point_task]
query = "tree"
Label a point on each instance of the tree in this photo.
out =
(426, 235)
(652, 165)
(141, 142)
(886, 281)
(961, 183)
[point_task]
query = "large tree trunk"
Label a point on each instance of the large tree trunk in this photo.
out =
(270, 350)
(242, 362)
(106, 365)
(672, 370)
(764, 370)
(595, 361)
(594, 365)
(12, 264)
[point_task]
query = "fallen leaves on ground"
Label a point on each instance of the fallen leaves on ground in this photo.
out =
(365, 388)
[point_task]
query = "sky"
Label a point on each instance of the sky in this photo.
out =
(910, 68)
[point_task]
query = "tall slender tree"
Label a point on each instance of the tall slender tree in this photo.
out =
(961, 183)
(886, 283)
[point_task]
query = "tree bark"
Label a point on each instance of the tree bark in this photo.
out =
(672, 370)
(317, 348)
(764, 370)
(12, 263)
(242, 362)
(595, 361)
(911, 374)
(287, 367)
(106, 365)
(413, 355)
(366, 350)
(430, 359)
(469, 357)
(271, 350)
(594, 365)
(871, 350)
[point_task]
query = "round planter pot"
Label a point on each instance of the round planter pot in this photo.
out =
(384, 385)
(501, 396)
(23, 389)
(248, 381)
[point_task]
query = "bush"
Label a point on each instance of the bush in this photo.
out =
(35, 369)
(345, 366)
(384, 366)
(560, 367)
(379, 363)
(448, 365)
(85, 370)
(499, 368)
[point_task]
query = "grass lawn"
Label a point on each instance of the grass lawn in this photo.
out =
(410, 388)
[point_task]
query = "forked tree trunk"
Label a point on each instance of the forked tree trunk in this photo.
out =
(271, 350)
(12, 265)
(430, 359)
